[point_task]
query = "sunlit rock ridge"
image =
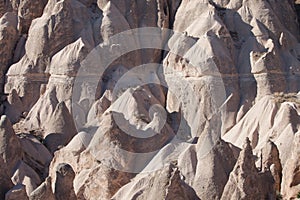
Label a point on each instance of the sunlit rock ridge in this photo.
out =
(149, 99)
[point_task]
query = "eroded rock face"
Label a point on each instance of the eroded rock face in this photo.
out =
(5, 182)
(166, 183)
(157, 124)
(63, 185)
(48, 34)
(9, 37)
(25, 175)
(207, 181)
(17, 192)
(60, 128)
(291, 180)
(270, 162)
(10, 147)
(245, 182)
(44, 191)
(36, 155)
(27, 11)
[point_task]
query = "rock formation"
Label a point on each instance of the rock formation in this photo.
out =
(10, 147)
(17, 192)
(245, 182)
(166, 183)
(290, 182)
(63, 185)
(124, 99)
(44, 191)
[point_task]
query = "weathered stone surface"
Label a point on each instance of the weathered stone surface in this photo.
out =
(60, 128)
(25, 175)
(63, 182)
(48, 34)
(8, 39)
(270, 162)
(230, 71)
(14, 107)
(268, 120)
(10, 147)
(36, 155)
(291, 174)
(43, 192)
(208, 174)
(27, 11)
(245, 182)
(166, 183)
(5, 182)
(17, 192)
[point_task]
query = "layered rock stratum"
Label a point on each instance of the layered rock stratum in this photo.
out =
(149, 99)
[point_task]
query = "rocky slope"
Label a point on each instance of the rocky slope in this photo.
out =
(156, 99)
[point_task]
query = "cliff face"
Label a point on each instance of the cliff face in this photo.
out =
(123, 99)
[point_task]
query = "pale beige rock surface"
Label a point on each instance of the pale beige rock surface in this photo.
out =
(245, 182)
(211, 171)
(166, 183)
(158, 124)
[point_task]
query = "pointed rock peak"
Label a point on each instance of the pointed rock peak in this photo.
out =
(270, 147)
(271, 162)
(60, 128)
(5, 124)
(247, 149)
(13, 97)
(247, 143)
(177, 188)
(61, 121)
(6, 129)
(246, 158)
(61, 107)
(15, 106)
(270, 152)
(245, 182)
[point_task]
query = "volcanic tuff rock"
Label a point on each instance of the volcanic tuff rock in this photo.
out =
(245, 182)
(25, 175)
(291, 173)
(166, 183)
(44, 191)
(208, 173)
(63, 184)
(10, 147)
(9, 37)
(5, 182)
(17, 192)
(94, 108)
